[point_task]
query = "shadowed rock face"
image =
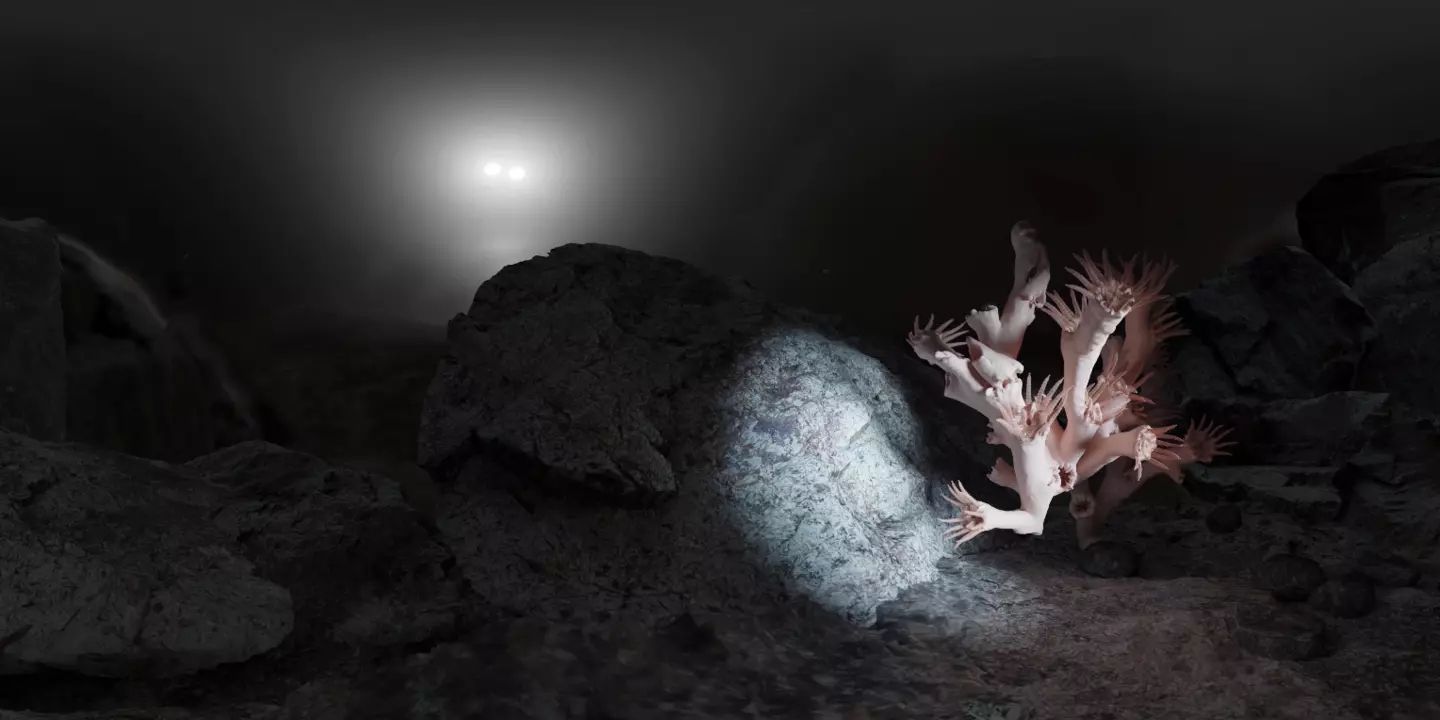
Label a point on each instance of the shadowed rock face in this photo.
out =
(1322, 360)
(1375, 224)
(119, 567)
(32, 356)
(114, 568)
(1402, 291)
(143, 380)
(89, 358)
(1358, 214)
(1279, 325)
(764, 454)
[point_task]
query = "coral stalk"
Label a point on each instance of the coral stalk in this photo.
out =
(1103, 419)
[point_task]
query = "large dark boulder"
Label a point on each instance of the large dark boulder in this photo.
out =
(1402, 291)
(1326, 389)
(681, 432)
(116, 566)
(1276, 326)
(355, 555)
(1357, 214)
(112, 567)
(1325, 430)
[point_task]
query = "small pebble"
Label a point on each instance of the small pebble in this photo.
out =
(1109, 559)
(1289, 577)
(1224, 519)
(1349, 598)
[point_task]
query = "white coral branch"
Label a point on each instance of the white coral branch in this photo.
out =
(1103, 421)
(1006, 332)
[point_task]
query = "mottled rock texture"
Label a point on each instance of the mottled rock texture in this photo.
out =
(676, 437)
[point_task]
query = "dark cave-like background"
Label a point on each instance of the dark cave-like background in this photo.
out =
(674, 458)
(857, 160)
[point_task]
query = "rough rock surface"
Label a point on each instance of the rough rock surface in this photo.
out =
(32, 354)
(1307, 492)
(1356, 215)
(112, 567)
(1327, 389)
(163, 397)
(355, 556)
(1375, 223)
(1203, 645)
(1359, 463)
(675, 430)
(1402, 291)
(1278, 326)
(254, 711)
(1326, 429)
(171, 577)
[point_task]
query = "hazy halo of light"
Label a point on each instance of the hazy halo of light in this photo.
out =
(604, 140)
(501, 250)
(492, 176)
(464, 165)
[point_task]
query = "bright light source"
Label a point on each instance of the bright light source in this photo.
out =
(492, 169)
(517, 173)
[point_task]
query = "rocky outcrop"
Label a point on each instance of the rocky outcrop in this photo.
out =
(32, 354)
(1359, 213)
(1328, 429)
(678, 433)
(1402, 291)
(1326, 385)
(1375, 224)
(140, 382)
(113, 568)
(356, 557)
(122, 567)
(1276, 326)
(74, 367)
(1213, 643)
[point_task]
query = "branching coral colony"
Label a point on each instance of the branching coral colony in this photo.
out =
(1063, 435)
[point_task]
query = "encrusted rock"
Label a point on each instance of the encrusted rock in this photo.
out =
(1280, 325)
(1289, 577)
(1350, 597)
(1325, 430)
(112, 567)
(673, 437)
(1224, 519)
(1308, 493)
(1357, 214)
(1109, 559)
(1402, 291)
(1282, 633)
(354, 554)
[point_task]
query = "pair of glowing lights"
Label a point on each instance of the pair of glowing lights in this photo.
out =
(493, 169)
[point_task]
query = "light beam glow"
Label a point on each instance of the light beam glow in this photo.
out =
(464, 160)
